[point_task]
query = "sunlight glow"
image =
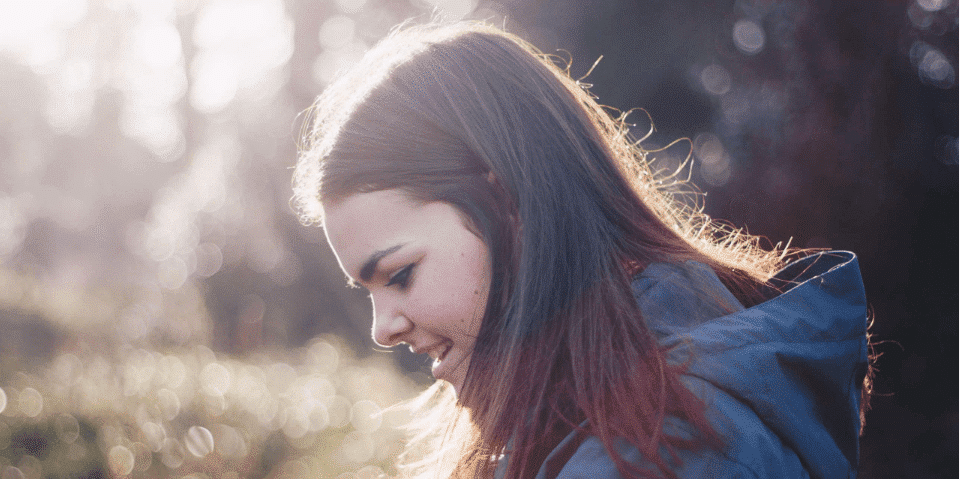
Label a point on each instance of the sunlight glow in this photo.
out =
(453, 9)
(23, 22)
(351, 6)
(157, 44)
(239, 42)
(337, 31)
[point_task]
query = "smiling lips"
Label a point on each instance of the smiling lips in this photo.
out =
(437, 352)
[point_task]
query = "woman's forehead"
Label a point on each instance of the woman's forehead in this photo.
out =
(364, 224)
(361, 220)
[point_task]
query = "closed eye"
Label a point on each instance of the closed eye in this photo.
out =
(402, 278)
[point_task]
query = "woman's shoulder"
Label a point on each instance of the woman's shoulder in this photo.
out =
(781, 380)
(793, 365)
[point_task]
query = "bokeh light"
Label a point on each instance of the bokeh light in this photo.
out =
(748, 36)
(933, 5)
(121, 461)
(172, 453)
(30, 402)
(199, 441)
(714, 163)
(11, 472)
(932, 65)
(715, 79)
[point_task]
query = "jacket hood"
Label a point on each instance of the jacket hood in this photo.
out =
(791, 366)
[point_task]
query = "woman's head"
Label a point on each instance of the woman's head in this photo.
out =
(474, 117)
(470, 120)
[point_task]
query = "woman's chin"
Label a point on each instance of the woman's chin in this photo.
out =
(451, 371)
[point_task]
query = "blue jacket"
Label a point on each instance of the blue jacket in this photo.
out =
(781, 380)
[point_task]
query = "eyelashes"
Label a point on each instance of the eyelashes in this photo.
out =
(402, 278)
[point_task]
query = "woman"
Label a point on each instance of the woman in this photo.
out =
(590, 325)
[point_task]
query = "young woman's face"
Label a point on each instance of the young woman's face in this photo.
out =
(427, 273)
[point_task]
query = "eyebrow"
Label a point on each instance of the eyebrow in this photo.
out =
(370, 265)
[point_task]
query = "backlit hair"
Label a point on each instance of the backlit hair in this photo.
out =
(571, 211)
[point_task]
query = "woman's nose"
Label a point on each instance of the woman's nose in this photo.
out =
(390, 327)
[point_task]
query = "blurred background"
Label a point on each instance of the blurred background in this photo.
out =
(163, 313)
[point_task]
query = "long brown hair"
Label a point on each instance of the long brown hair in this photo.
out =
(571, 211)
